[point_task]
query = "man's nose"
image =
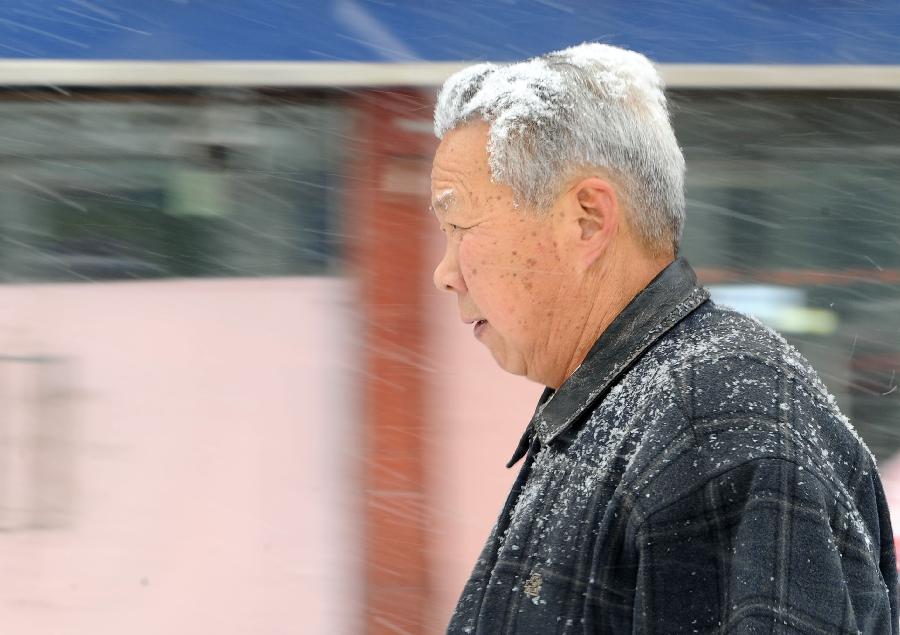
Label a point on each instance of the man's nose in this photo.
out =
(447, 276)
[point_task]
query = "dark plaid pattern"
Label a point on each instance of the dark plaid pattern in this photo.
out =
(692, 476)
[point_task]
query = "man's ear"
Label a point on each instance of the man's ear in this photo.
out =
(597, 214)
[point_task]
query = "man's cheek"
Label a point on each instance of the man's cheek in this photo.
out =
(471, 262)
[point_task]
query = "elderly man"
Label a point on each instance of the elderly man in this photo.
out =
(685, 469)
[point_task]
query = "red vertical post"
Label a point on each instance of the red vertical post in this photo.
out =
(387, 215)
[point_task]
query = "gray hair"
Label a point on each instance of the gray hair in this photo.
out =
(554, 116)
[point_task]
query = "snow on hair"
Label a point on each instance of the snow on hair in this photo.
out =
(588, 106)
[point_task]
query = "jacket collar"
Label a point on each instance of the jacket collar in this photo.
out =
(669, 297)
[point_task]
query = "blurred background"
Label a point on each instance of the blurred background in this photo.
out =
(231, 401)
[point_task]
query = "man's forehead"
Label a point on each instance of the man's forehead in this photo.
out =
(460, 172)
(461, 154)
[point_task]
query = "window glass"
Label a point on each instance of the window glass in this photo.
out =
(103, 186)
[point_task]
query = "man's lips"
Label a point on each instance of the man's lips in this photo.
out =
(479, 324)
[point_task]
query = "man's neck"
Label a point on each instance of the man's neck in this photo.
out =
(609, 293)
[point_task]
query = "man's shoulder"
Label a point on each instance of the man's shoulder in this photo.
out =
(735, 392)
(720, 380)
(720, 358)
(714, 333)
(720, 363)
(716, 363)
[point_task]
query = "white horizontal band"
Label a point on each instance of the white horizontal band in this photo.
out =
(15, 72)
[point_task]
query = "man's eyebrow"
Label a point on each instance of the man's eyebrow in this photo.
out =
(444, 201)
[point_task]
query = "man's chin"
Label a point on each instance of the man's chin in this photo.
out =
(511, 366)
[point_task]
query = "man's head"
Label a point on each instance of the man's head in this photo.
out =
(559, 185)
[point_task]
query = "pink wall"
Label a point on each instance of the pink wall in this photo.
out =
(213, 447)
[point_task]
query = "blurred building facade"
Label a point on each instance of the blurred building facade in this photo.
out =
(232, 400)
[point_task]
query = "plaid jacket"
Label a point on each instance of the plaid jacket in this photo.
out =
(692, 476)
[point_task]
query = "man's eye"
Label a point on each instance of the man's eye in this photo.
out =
(457, 228)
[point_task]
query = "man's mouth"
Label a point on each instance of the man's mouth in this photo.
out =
(479, 327)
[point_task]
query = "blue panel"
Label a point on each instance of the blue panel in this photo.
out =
(721, 31)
